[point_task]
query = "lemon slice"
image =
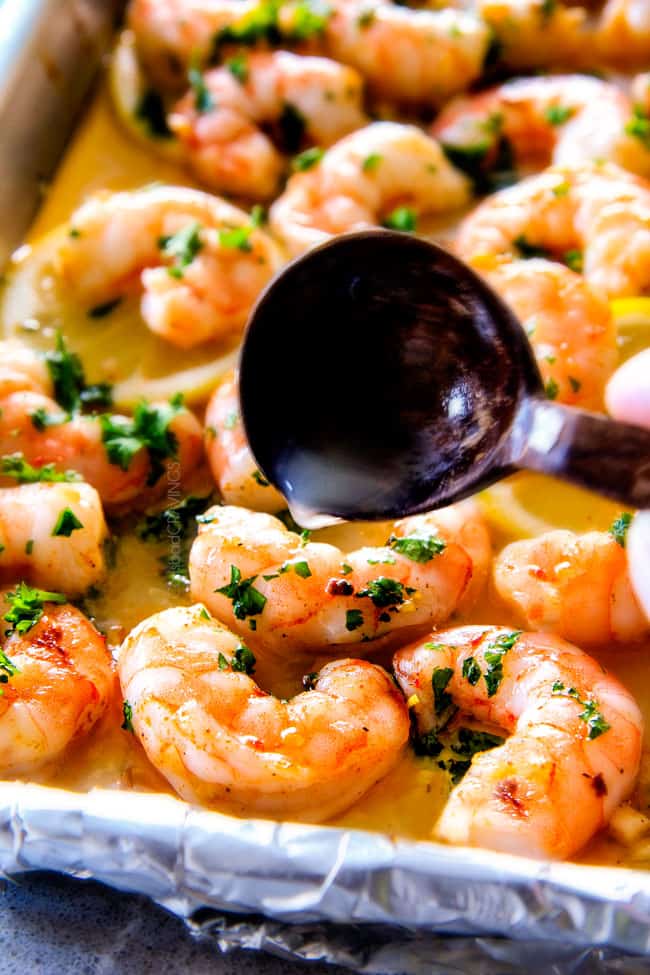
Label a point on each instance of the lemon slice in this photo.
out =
(632, 318)
(526, 505)
(138, 106)
(115, 347)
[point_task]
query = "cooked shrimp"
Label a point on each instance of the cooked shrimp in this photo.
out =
(574, 747)
(52, 535)
(173, 34)
(58, 683)
(366, 178)
(220, 740)
(409, 55)
(289, 596)
(86, 445)
(199, 261)
(231, 461)
(598, 212)
(624, 32)
(538, 33)
(564, 119)
(571, 328)
(576, 586)
(21, 369)
(222, 129)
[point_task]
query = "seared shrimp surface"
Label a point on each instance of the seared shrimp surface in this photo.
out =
(575, 586)
(290, 597)
(562, 119)
(367, 178)
(219, 739)
(229, 455)
(599, 212)
(536, 34)
(199, 261)
(222, 132)
(574, 747)
(570, 327)
(59, 682)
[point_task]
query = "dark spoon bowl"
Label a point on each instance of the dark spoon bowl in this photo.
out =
(380, 376)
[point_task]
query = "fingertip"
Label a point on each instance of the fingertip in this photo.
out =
(627, 395)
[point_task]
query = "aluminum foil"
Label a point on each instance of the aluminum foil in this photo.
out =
(340, 895)
(309, 892)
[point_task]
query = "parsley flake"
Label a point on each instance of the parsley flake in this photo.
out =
(471, 671)
(418, 548)
(401, 218)
(353, 619)
(27, 607)
(307, 160)
(127, 715)
(383, 592)
(558, 114)
(493, 655)
(592, 717)
(66, 523)
(182, 247)
(246, 600)
(123, 437)
(439, 680)
(619, 528)
(238, 67)
(371, 162)
(203, 101)
(15, 465)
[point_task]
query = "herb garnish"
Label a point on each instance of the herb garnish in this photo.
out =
(307, 159)
(353, 619)
(148, 429)
(383, 592)
(203, 101)
(27, 606)
(401, 218)
(418, 548)
(182, 247)
(619, 528)
(15, 465)
(66, 523)
(127, 714)
(246, 600)
(590, 714)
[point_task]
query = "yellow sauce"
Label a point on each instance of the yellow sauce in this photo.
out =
(406, 802)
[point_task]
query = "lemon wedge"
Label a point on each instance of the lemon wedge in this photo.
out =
(632, 319)
(113, 342)
(526, 505)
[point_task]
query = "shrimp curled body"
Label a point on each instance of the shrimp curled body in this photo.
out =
(302, 597)
(224, 143)
(62, 685)
(364, 178)
(576, 586)
(132, 240)
(220, 740)
(574, 747)
(599, 211)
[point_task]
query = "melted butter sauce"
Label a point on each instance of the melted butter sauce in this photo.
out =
(408, 800)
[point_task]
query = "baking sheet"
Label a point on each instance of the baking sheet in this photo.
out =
(346, 896)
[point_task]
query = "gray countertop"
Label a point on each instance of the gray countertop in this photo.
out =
(51, 925)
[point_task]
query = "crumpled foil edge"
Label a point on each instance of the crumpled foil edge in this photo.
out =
(345, 896)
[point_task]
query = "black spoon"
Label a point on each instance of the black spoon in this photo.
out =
(381, 377)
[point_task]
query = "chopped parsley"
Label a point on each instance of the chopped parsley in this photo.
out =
(574, 260)
(246, 600)
(260, 23)
(231, 420)
(41, 419)
(70, 388)
(15, 465)
(259, 478)
(301, 569)
(127, 715)
(148, 429)
(592, 717)
(527, 249)
(493, 655)
(440, 678)
(619, 529)
(551, 388)
(182, 247)
(471, 671)
(418, 548)
(547, 9)
(29, 546)
(307, 159)
(346, 569)
(176, 520)
(238, 67)
(639, 126)
(243, 660)
(309, 18)
(7, 668)
(401, 218)
(383, 592)
(203, 101)
(558, 114)
(366, 18)
(353, 619)
(371, 162)
(66, 523)
(27, 607)
(575, 384)
(459, 748)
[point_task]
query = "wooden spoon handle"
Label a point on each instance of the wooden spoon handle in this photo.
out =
(588, 449)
